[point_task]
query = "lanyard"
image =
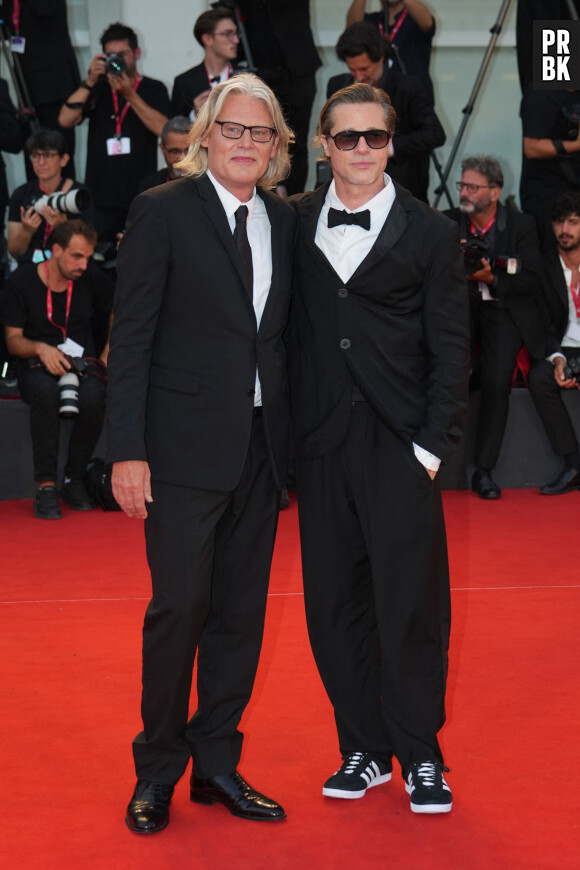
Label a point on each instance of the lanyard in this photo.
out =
(210, 79)
(397, 26)
(575, 291)
(69, 290)
(47, 228)
(16, 16)
(120, 117)
(476, 232)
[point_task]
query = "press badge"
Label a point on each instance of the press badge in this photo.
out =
(17, 44)
(118, 145)
(71, 347)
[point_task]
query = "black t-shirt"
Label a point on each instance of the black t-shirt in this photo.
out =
(413, 44)
(114, 180)
(549, 115)
(27, 194)
(24, 305)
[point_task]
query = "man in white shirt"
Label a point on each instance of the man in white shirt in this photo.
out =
(547, 379)
(197, 429)
(379, 359)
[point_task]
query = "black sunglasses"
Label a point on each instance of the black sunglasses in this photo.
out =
(347, 140)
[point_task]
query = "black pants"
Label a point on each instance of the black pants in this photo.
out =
(296, 95)
(210, 555)
(499, 342)
(547, 396)
(40, 390)
(376, 587)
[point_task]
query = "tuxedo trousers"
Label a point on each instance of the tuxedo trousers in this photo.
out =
(210, 555)
(547, 396)
(376, 587)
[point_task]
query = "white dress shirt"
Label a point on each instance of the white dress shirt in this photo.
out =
(259, 237)
(346, 246)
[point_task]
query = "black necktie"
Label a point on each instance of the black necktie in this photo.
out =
(360, 218)
(244, 250)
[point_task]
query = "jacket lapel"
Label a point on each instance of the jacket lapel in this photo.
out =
(393, 228)
(276, 247)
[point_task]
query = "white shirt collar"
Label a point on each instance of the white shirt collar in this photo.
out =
(381, 200)
(230, 202)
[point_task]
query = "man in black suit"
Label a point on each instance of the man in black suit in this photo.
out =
(379, 393)
(502, 263)
(418, 130)
(198, 434)
(217, 32)
(548, 377)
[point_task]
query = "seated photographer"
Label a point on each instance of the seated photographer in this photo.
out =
(126, 114)
(48, 311)
(31, 219)
(561, 370)
(502, 262)
(174, 145)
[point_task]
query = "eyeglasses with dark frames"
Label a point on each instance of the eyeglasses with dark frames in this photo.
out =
(471, 188)
(347, 140)
(227, 34)
(231, 130)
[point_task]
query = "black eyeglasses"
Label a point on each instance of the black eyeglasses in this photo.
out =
(236, 131)
(347, 140)
(471, 188)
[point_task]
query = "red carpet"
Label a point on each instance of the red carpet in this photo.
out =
(72, 599)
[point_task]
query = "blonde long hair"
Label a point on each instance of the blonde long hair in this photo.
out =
(195, 162)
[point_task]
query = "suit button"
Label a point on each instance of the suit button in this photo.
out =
(343, 293)
(251, 392)
(344, 343)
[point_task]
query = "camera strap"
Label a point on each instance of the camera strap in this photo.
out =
(477, 232)
(47, 228)
(575, 291)
(120, 116)
(49, 309)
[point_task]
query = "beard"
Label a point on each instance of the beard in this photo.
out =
(467, 206)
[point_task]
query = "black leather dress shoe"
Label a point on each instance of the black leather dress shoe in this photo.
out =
(232, 790)
(484, 485)
(566, 481)
(148, 810)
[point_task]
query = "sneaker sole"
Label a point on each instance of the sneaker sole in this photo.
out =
(354, 795)
(430, 808)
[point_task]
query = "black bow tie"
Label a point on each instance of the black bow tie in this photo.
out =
(336, 217)
(216, 80)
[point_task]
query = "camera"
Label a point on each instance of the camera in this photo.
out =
(115, 64)
(569, 121)
(73, 202)
(68, 385)
(572, 369)
(474, 249)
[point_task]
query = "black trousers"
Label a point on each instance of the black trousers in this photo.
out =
(376, 586)
(210, 555)
(547, 396)
(499, 342)
(40, 390)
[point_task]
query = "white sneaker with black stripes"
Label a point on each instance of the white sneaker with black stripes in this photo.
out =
(426, 785)
(358, 771)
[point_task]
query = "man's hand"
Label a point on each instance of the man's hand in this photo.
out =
(97, 69)
(53, 217)
(53, 359)
(131, 482)
(122, 84)
(484, 273)
(201, 100)
(560, 377)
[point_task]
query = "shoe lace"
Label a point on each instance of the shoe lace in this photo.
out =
(430, 773)
(353, 761)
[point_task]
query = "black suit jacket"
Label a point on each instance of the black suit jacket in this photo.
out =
(186, 87)
(516, 236)
(184, 343)
(398, 329)
(555, 301)
(417, 129)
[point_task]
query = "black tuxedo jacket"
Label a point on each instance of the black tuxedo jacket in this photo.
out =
(184, 343)
(398, 329)
(555, 301)
(186, 87)
(417, 129)
(516, 236)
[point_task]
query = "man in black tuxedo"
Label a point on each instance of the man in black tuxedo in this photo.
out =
(217, 32)
(198, 434)
(548, 377)
(379, 394)
(503, 283)
(419, 130)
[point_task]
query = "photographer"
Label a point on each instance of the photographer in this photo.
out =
(30, 225)
(126, 114)
(501, 266)
(561, 368)
(48, 311)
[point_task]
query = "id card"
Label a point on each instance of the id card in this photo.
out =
(71, 347)
(117, 146)
(17, 44)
